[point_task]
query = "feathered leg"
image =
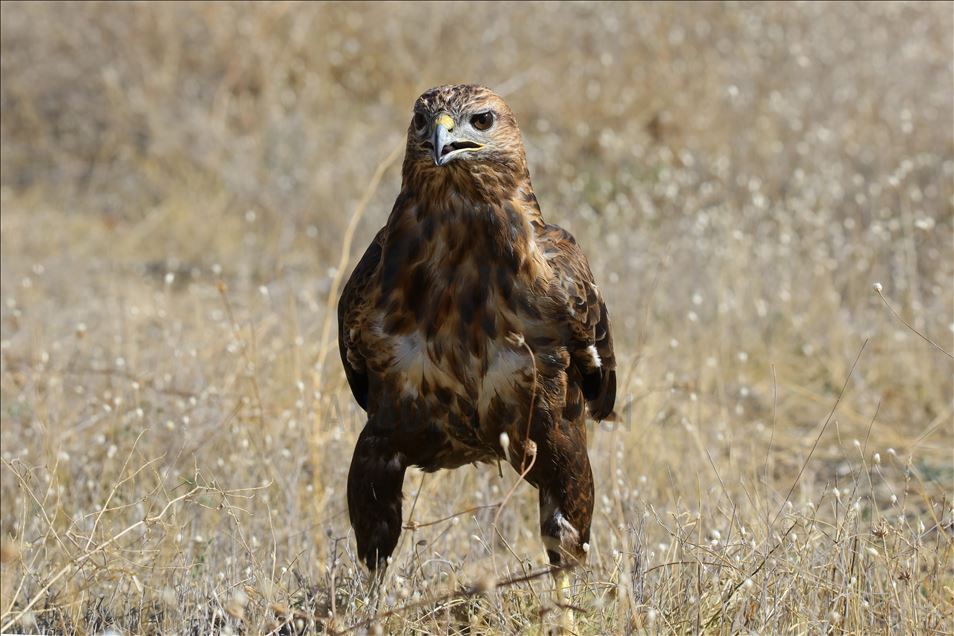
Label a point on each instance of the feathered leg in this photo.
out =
(375, 484)
(563, 476)
(566, 510)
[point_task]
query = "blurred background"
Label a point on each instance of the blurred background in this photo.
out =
(176, 182)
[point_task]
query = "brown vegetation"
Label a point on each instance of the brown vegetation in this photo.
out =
(176, 184)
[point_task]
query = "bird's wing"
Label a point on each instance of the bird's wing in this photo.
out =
(351, 310)
(589, 339)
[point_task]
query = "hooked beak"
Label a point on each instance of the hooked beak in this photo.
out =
(446, 146)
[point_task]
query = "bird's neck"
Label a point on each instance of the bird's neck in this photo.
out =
(449, 229)
(498, 209)
(478, 182)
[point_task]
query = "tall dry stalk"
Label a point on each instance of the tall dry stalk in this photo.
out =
(318, 378)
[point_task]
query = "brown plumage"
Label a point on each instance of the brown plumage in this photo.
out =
(438, 319)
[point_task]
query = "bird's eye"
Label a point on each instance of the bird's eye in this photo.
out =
(482, 121)
(419, 121)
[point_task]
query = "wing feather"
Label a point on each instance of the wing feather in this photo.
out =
(589, 336)
(351, 310)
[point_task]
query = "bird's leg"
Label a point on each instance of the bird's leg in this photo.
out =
(375, 483)
(564, 591)
(564, 479)
(377, 589)
(373, 592)
(566, 547)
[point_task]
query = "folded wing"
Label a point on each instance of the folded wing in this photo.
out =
(352, 307)
(589, 338)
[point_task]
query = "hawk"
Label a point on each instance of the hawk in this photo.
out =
(468, 317)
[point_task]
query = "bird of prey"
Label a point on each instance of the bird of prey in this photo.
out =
(469, 317)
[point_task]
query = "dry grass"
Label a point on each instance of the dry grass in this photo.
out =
(174, 459)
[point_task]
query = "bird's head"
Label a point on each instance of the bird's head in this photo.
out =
(463, 128)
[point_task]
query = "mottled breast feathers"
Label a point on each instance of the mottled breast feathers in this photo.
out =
(580, 306)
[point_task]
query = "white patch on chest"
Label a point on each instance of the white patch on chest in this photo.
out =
(506, 369)
(413, 361)
(409, 359)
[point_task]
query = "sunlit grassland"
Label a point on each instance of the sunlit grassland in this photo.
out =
(176, 430)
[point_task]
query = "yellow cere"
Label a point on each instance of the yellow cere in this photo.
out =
(444, 120)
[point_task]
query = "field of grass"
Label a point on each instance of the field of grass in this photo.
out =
(766, 195)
